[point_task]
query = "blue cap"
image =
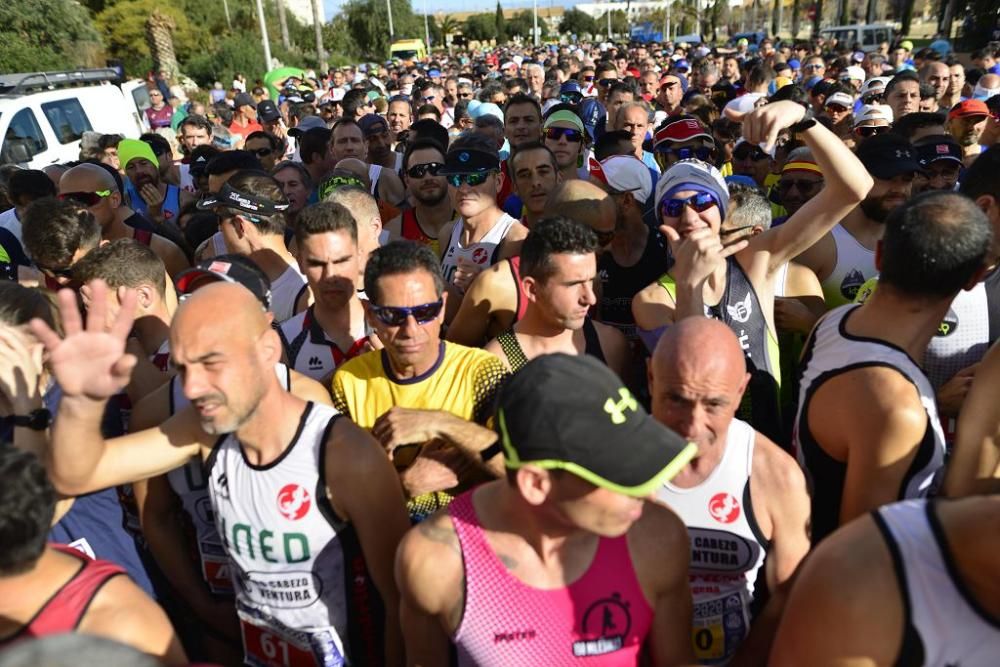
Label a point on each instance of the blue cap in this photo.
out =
(594, 116)
(682, 64)
(741, 179)
(570, 86)
(794, 63)
(812, 81)
(434, 72)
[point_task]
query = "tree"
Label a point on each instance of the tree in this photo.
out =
(501, 24)
(368, 21)
(619, 22)
(576, 22)
(521, 24)
(123, 26)
(46, 35)
(480, 28)
(448, 27)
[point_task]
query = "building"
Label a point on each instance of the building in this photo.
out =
(302, 10)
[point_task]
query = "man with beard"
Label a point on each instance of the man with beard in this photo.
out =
(801, 178)
(844, 258)
(159, 201)
(331, 330)
(966, 122)
(379, 142)
(432, 207)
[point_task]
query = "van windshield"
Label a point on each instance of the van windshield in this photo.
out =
(405, 54)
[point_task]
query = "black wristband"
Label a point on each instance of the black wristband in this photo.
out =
(491, 451)
(807, 121)
(36, 420)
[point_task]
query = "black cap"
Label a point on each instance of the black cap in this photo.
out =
(888, 155)
(471, 154)
(267, 111)
(572, 413)
(241, 201)
(372, 123)
(243, 100)
(936, 148)
(235, 269)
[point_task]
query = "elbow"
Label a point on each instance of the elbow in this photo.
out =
(856, 187)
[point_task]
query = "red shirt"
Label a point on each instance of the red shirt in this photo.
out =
(245, 130)
(161, 118)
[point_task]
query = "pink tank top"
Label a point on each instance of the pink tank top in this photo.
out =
(600, 619)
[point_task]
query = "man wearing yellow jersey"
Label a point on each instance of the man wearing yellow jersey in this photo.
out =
(426, 400)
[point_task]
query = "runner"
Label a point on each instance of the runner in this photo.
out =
(561, 562)
(867, 430)
(260, 482)
(741, 498)
(535, 175)
(148, 194)
(428, 189)
(558, 267)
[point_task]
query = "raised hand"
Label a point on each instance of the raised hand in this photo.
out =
(90, 361)
(19, 373)
(698, 254)
(762, 125)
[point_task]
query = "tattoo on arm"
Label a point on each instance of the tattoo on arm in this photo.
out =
(439, 534)
(507, 561)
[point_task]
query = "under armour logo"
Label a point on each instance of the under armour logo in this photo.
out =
(315, 362)
(902, 154)
(617, 409)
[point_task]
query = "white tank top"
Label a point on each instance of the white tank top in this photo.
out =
(284, 290)
(190, 485)
(311, 352)
(951, 628)
(780, 280)
(303, 592)
(828, 352)
(727, 548)
(374, 171)
(855, 265)
(484, 253)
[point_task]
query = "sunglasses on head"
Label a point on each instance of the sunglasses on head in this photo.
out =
(672, 208)
(687, 152)
(605, 83)
(870, 130)
(744, 151)
(473, 179)
(396, 316)
(555, 133)
(418, 170)
(88, 199)
(262, 152)
(786, 185)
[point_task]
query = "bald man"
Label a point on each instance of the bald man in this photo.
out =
(308, 504)
(93, 186)
(495, 300)
(742, 498)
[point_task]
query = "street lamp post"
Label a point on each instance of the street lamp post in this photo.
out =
(388, 5)
(263, 35)
(534, 11)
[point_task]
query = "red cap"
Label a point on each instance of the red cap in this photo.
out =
(681, 129)
(967, 108)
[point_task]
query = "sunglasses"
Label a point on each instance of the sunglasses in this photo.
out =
(555, 133)
(672, 208)
(88, 199)
(56, 273)
(570, 98)
(871, 98)
(588, 79)
(605, 83)
(428, 98)
(786, 185)
(814, 66)
(686, 153)
(870, 130)
(464, 96)
(473, 179)
(837, 108)
(262, 152)
(745, 151)
(396, 316)
(418, 170)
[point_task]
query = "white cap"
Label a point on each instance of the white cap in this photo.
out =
(745, 103)
(625, 173)
(842, 99)
(872, 112)
(873, 84)
(980, 93)
(854, 73)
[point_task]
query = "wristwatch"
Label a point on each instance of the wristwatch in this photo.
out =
(36, 420)
(804, 124)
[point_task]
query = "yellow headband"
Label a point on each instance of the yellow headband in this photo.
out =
(802, 166)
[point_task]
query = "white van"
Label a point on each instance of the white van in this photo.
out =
(868, 35)
(44, 114)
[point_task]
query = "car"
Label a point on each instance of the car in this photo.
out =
(43, 115)
(865, 37)
(753, 39)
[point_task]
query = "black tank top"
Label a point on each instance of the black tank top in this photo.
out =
(619, 284)
(515, 354)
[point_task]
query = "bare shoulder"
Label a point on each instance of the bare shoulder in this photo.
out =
(444, 235)
(517, 232)
(775, 470)
(657, 531)
(351, 450)
(653, 307)
(122, 611)
(309, 389)
(429, 568)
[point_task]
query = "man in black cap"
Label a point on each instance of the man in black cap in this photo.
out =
(244, 116)
(375, 130)
(844, 258)
(940, 159)
(564, 558)
(272, 121)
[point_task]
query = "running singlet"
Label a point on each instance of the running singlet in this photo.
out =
(482, 254)
(64, 611)
(190, 484)
(285, 289)
(727, 547)
(741, 311)
(310, 352)
(829, 352)
(855, 265)
(944, 625)
(515, 354)
(620, 284)
(304, 595)
(411, 230)
(463, 381)
(170, 209)
(600, 619)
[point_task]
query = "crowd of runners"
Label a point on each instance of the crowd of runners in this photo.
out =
(586, 354)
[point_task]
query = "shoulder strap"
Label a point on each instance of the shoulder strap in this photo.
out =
(143, 236)
(512, 348)
(666, 281)
(592, 341)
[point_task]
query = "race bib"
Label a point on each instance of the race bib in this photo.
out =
(720, 624)
(215, 571)
(274, 646)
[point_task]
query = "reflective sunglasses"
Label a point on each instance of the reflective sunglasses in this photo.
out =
(262, 152)
(570, 98)
(87, 199)
(744, 151)
(589, 79)
(428, 98)
(870, 130)
(572, 136)
(606, 83)
(418, 170)
(672, 208)
(813, 66)
(396, 316)
(803, 186)
(687, 152)
(473, 179)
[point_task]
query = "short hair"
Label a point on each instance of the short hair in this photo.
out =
(622, 87)
(19, 304)
(106, 141)
(420, 145)
(123, 263)
(30, 184)
(53, 231)
(488, 90)
(157, 141)
(528, 147)
(297, 166)
(901, 77)
(425, 128)
(259, 184)
(908, 125)
(748, 207)
(399, 257)
(362, 205)
(927, 91)
(425, 109)
(274, 141)
(759, 75)
(489, 121)
(613, 142)
(228, 161)
(981, 176)
(27, 504)
(325, 217)
(934, 244)
(520, 99)
(353, 100)
(195, 120)
(314, 142)
(551, 236)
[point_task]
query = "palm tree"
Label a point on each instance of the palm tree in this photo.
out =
(448, 26)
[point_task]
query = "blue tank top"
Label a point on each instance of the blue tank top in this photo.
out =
(171, 202)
